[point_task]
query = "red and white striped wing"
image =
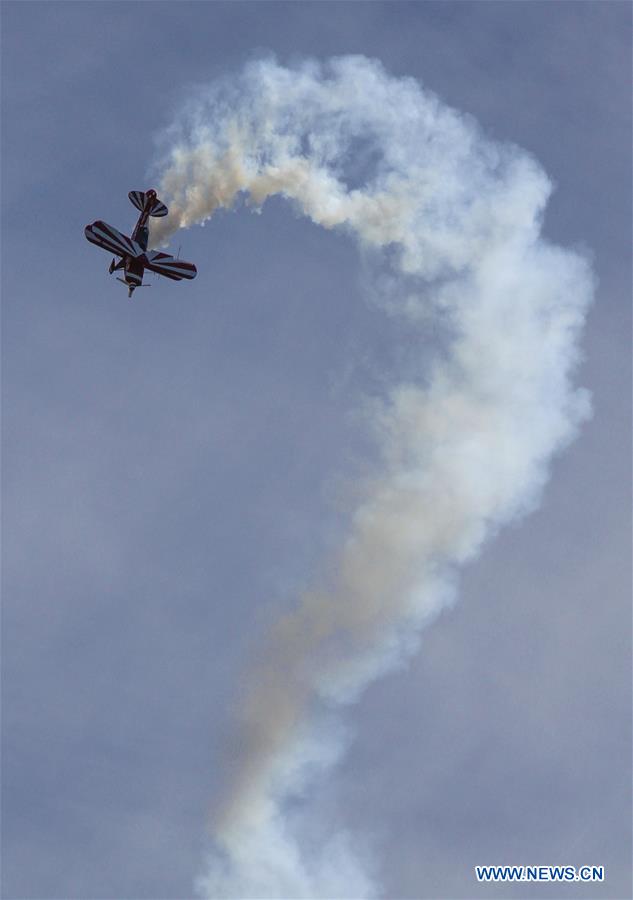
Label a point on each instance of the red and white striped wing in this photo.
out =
(169, 266)
(108, 238)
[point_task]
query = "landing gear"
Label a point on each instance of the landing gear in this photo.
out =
(112, 266)
(131, 287)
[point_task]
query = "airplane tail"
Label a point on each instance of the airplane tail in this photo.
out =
(148, 201)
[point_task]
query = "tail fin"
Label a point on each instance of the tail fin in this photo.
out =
(139, 200)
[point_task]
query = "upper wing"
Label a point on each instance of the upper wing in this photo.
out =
(108, 238)
(169, 266)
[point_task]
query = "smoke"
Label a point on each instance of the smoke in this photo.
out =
(455, 220)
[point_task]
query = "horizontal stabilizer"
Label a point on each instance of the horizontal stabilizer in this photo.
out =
(139, 199)
(158, 210)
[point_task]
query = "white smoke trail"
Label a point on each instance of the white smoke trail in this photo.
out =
(458, 219)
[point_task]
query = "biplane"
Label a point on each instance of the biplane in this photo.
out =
(133, 252)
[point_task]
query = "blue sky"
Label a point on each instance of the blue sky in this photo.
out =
(170, 467)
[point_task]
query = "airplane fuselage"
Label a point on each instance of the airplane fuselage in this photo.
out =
(133, 266)
(141, 229)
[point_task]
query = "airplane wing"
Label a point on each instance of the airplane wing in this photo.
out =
(169, 266)
(108, 238)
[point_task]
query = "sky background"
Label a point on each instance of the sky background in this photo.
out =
(171, 468)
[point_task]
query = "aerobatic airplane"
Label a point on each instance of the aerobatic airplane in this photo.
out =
(135, 257)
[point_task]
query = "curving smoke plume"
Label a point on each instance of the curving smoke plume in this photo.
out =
(456, 218)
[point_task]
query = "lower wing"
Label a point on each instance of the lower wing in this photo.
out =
(170, 267)
(108, 238)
